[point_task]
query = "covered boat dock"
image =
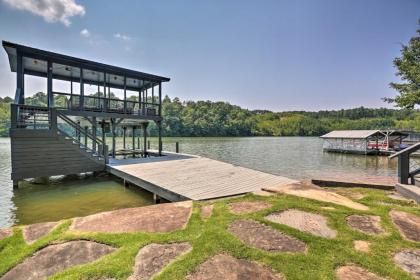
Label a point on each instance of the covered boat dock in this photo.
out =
(364, 141)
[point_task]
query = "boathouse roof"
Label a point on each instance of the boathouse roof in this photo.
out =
(68, 68)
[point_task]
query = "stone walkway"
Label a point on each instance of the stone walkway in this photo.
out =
(409, 260)
(366, 224)
(311, 191)
(34, 232)
(304, 221)
(228, 268)
(152, 258)
(55, 258)
(264, 237)
(408, 224)
(156, 218)
(244, 207)
(353, 272)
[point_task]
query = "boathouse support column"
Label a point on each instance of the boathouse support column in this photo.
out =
(86, 138)
(50, 97)
(403, 168)
(124, 135)
(133, 147)
(103, 137)
(159, 124)
(113, 128)
(82, 91)
(20, 80)
(94, 134)
(145, 139)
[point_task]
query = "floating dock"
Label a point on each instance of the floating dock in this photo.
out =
(177, 177)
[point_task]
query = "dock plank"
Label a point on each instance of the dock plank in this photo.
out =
(194, 177)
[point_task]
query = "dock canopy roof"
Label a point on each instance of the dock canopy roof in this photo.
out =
(362, 134)
(352, 134)
(64, 67)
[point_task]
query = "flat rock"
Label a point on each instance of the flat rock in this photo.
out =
(228, 268)
(152, 258)
(5, 232)
(397, 196)
(156, 218)
(352, 194)
(248, 206)
(56, 258)
(311, 191)
(264, 237)
(361, 246)
(408, 224)
(409, 260)
(33, 232)
(308, 222)
(328, 208)
(352, 272)
(206, 211)
(366, 224)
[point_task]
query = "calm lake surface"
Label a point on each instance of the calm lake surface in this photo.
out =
(293, 157)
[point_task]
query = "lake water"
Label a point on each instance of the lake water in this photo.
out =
(293, 157)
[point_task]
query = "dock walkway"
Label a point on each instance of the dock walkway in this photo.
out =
(178, 177)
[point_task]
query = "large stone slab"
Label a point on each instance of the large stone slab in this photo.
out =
(353, 272)
(156, 218)
(264, 237)
(248, 206)
(56, 258)
(409, 260)
(5, 232)
(366, 224)
(304, 221)
(311, 191)
(408, 224)
(229, 268)
(152, 258)
(33, 232)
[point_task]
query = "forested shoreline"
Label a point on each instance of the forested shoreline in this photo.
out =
(208, 118)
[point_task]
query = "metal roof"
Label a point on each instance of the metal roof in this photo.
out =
(359, 134)
(68, 68)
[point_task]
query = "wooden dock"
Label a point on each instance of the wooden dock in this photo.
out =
(178, 177)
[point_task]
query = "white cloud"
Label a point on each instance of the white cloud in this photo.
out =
(50, 10)
(85, 33)
(122, 37)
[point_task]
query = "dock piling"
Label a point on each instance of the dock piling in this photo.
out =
(177, 147)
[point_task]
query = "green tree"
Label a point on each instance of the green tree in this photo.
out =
(408, 69)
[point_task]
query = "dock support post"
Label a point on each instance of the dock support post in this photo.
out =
(177, 147)
(156, 198)
(148, 144)
(86, 139)
(15, 184)
(103, 137)
(403, 168)
(126, 184)
(145, 139)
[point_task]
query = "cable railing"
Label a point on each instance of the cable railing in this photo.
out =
(30, 117)
(104, 104)
(408, 168)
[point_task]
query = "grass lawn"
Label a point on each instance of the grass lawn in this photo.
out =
(210, 237)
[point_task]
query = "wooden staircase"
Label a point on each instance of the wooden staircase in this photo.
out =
(45, 142)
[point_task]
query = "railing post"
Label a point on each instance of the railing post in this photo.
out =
(13, 115)
(53, 119)
(403, 168)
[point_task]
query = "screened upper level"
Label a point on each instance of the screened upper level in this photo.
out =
(89, 86)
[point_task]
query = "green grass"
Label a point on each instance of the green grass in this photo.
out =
(210, 237)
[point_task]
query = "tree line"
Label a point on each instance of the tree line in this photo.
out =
(208, 118)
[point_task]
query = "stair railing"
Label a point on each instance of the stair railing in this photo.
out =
(98, 147)
(404, 173)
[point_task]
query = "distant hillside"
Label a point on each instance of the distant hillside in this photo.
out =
(207, 118)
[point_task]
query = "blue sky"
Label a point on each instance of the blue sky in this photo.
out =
(276, 55)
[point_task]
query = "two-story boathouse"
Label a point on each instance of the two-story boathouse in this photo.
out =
(62, 137)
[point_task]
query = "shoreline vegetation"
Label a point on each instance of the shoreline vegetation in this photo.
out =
(208, 118)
